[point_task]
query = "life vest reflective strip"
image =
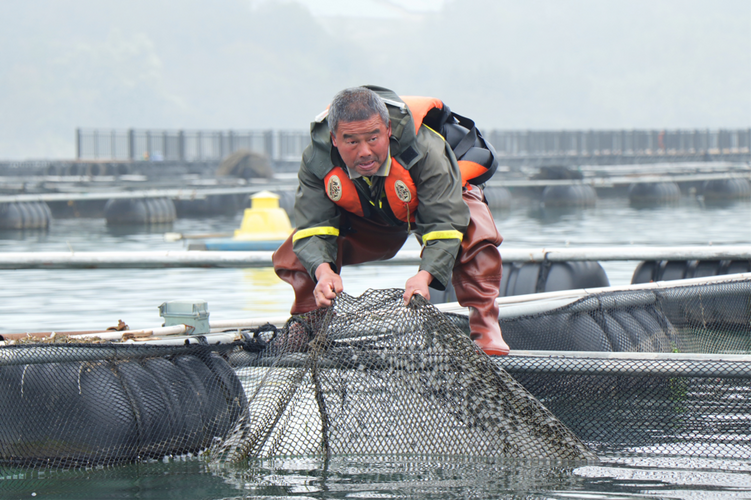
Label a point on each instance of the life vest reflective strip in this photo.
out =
(315, 231)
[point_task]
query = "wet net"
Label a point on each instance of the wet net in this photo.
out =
(370, 376)
(664, 371)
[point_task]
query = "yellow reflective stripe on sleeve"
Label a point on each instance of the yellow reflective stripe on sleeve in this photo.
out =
(442, 235)
(315, 231)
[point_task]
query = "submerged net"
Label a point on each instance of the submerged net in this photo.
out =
(379, 378)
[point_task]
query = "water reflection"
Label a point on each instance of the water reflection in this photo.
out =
(130, 230)
(389, 477)
(557, 215)
(87, 299)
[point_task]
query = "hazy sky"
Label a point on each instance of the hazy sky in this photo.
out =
(252, 64)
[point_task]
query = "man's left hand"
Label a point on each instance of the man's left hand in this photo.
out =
(418, 284)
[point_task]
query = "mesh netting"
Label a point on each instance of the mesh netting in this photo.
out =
(692, 400)
(690, 405)
(381, 378)
(370, 376)
(82, 405)
(714, 317)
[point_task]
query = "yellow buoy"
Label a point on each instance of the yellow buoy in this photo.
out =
(264, 220)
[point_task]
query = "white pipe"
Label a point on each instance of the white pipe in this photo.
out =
(629, 252)
(143, 260)
(146, 332)
(539, 302)
(509, 307)
(236, 259)
(218, 325)
(290, 185)
(532, 303)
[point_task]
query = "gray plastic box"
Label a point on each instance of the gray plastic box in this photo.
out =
(193, 313)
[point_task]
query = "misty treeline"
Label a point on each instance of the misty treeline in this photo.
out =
(233, 64)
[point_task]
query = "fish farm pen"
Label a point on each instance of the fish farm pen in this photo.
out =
(658, 369)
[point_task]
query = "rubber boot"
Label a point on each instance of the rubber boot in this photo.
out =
(479, 294)
(477, 275)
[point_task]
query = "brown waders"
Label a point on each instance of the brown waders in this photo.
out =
(476, 275)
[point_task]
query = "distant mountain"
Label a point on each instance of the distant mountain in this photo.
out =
(550, 64)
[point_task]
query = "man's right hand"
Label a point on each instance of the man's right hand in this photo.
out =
(328, 287)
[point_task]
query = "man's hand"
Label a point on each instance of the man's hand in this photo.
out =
(328, 286)
(418, 284)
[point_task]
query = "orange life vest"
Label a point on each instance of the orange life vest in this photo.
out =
(400, 189)
(475, 157)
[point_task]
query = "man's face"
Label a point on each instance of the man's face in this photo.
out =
(363, 145)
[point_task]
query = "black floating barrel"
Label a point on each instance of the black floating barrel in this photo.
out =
(653, 193)
(139, 211)
(726, 189)
(576, 195)
(537, 277)
(25, 215)
(726, 310)
(89, 413)
(498, 197)
(593, 324)
(666, 270)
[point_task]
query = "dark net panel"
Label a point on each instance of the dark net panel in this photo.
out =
(710, 318)
(644, 406)
(85, 405)
(369, 376)
(705, 318)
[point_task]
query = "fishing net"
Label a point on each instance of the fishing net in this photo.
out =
(368, 376)
(709, 317)
(83, 405)
(672, 375)
(663, 371)
(371, 376)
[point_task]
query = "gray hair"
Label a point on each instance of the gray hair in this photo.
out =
(355, 104)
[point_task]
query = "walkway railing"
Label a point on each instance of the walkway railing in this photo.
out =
(281, 145)
(185, 145)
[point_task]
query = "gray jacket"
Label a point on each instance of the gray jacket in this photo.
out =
(432, 166)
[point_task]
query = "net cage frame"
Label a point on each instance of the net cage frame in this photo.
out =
(683, 388)
(651, 401)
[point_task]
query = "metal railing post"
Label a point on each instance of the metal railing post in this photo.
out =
(181, 145)
(131, 145)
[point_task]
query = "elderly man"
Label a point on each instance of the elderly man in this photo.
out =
(373, 174)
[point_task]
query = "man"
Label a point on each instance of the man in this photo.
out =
(372, 174)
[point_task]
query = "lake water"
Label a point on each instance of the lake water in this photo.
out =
(42, 300)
